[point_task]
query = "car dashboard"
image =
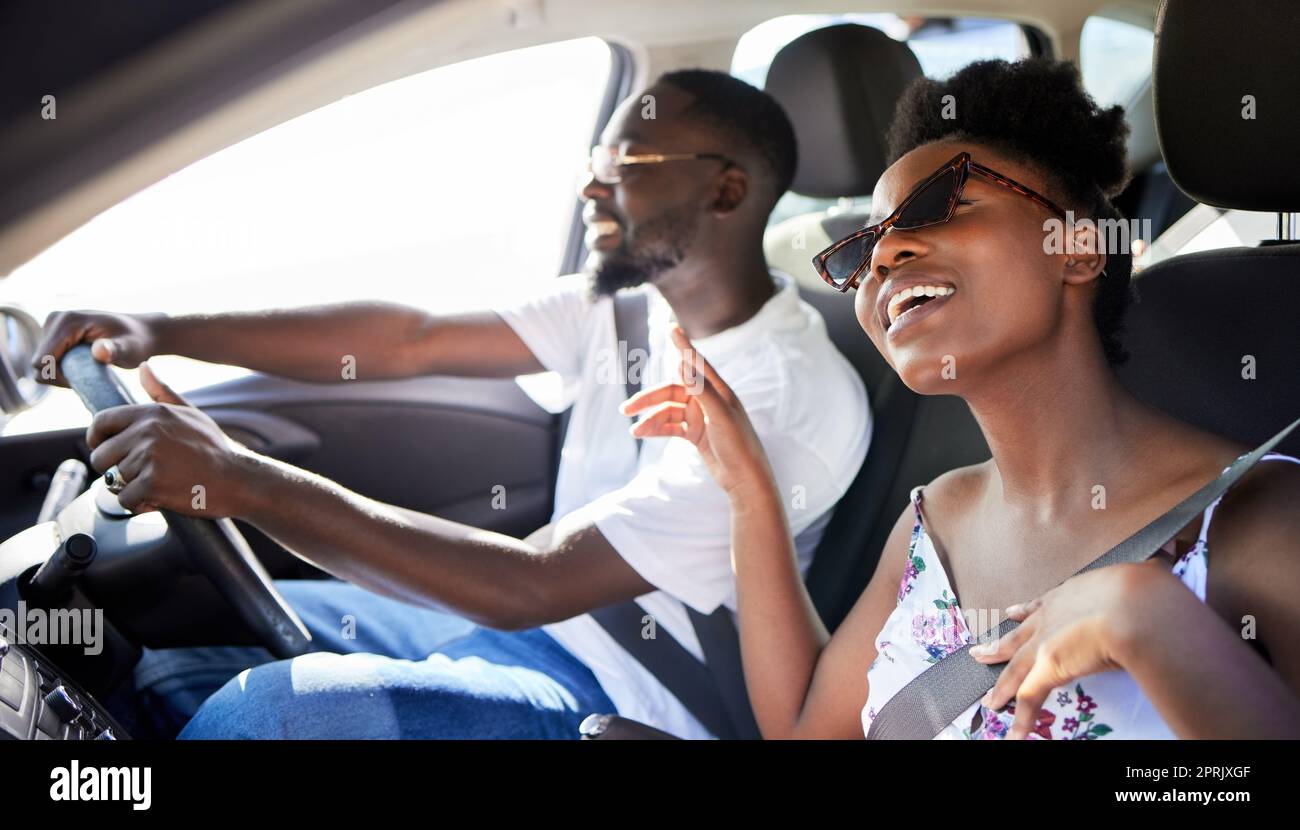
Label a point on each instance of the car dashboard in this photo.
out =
(39, 702)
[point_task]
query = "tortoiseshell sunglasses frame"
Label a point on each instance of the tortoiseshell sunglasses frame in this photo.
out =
(964, 166)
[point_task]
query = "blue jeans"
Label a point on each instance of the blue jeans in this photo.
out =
(400, 672)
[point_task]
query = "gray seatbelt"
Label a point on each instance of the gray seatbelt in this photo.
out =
(632, 331)
(713, 691)
(937, 696)
(688, 679)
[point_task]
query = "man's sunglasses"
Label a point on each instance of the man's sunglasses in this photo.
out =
(608, 164)
(932, 202)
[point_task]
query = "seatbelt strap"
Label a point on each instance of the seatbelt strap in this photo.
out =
(688, 679)
(632, 331)
(720, 643)
(713, 691)
(938, 696)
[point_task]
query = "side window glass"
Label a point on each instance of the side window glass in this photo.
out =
(442, 190)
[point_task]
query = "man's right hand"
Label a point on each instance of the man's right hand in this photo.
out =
(124, 340)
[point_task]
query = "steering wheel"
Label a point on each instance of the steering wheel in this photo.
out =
(216, 547)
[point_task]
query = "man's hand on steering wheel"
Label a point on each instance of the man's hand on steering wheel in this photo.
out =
(173, 458)
(169, 455)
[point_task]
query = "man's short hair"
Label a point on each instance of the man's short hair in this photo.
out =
(744, 115)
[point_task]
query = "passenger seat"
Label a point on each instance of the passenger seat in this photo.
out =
(840, 86)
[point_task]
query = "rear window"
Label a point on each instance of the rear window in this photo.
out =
(1115, 59)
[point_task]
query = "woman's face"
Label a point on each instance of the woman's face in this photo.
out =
(1005, 293)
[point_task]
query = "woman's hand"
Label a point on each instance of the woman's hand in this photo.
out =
(703, 410)
(1071, 631)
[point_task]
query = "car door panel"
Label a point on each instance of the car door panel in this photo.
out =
(475, 451)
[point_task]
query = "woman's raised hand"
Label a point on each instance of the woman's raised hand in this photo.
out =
(703, 410)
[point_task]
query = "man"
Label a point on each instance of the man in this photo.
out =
(676, 205)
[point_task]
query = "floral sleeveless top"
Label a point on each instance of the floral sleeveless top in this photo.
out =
(927, 625)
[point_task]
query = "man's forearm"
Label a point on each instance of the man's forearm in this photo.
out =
(487, 577)
(312, 344)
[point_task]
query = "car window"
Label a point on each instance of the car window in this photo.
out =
(942, 46)
(443, 189)
(1115, 59)
(1207, 228)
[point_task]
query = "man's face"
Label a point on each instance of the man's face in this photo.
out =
(647, 223)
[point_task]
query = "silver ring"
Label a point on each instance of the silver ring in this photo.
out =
(114, 480)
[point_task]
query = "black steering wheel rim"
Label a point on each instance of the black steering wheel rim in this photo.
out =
(216, 547)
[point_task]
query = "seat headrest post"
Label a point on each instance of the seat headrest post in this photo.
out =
(1288, 227)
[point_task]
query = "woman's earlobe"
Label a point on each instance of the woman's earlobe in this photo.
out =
(1085, 257)
(1085, 269)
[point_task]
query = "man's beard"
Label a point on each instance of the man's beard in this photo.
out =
(660, 245)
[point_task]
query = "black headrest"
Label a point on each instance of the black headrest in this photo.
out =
(1210, 55)
(840, 85)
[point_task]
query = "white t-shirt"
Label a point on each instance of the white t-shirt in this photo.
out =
(663, 512)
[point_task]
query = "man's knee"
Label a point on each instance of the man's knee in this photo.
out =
(254, 704)
(366, 696)
(317, 696)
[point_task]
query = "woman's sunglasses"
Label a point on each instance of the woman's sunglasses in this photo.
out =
(932, 202)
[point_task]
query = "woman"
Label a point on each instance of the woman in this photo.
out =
(982, 285)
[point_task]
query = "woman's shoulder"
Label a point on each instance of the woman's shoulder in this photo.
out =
(1254, 529)
(942, 494)
(1268, 485)
(1252, 547)
(1260, 509)
(953, 492)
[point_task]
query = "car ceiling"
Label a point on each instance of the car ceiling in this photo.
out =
(144, 94)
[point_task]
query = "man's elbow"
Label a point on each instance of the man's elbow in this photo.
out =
(528, 603)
